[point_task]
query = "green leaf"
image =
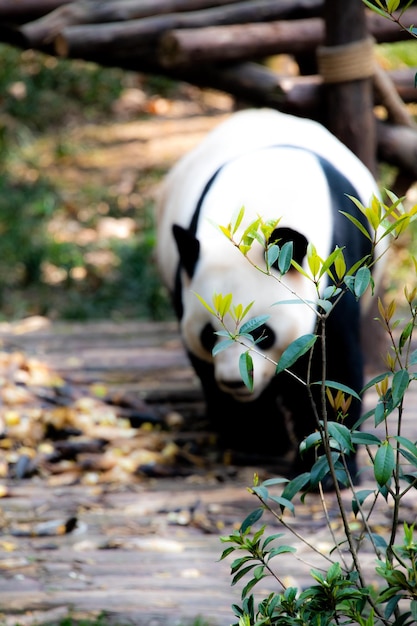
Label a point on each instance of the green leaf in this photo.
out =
(258, 534)
(409, 445)
(334, 573)
(250, 586)
(362, 280)
(399, 386)
(222, 345)
(285, 257)
(283, 503)
(340, 264)
(246, 369)
(227, 551)
(237, 220)
(295, 486)
(269, 482)
(224, 304)
(384, 463)
(261, 491)
(359, 498)
(235, 537)
(413, 357)
(408, 450)
(280, 550)
(272, 254)
(350, 283)
(247, 309)
(342, 435)
(327, 263)
(310, 441)
(295, 350)
(392, 5)
(205, 304)
(376, 379)
(375, 9)
(331, 292)
(355, 221)
(381, 412)
(321, 468)
(272, 538)
(413, 607)
(318, 577)
(406, 334)
(391, 594)
(365, 439)
(237, 564)
(295, 301)
(258, 572)
(242, 573)
(326, 305)
(253, 323)
(300, 269)
(380, 541)
(410, 458)
(251, 519)
(334, 385)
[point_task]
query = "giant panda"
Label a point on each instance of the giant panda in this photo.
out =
(274, 165)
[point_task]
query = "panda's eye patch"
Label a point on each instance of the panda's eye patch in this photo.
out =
(208, 338)
(266, 335)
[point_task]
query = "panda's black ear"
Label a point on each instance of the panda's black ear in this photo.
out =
(188, 248)
(300, 243)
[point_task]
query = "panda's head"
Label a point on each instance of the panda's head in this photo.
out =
(207, 268)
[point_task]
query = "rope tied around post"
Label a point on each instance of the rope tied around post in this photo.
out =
(353, 61)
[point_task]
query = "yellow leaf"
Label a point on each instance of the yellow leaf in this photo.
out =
(313, 259)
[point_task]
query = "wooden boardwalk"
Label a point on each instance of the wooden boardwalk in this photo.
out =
(143, 552)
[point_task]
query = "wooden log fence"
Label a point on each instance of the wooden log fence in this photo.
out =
(220, 44)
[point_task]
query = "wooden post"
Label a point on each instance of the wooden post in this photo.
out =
(350, 117)
(349, 104)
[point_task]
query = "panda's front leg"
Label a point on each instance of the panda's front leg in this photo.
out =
(257, 428)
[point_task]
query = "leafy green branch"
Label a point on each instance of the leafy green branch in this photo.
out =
(387, 8)
(340, 595)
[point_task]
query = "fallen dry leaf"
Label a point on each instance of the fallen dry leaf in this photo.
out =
(68, 435)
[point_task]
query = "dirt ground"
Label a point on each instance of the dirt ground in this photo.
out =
(145, 134)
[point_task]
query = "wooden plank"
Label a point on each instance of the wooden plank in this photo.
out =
(146, 551)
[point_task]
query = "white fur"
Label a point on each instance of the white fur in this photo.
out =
(286, 183)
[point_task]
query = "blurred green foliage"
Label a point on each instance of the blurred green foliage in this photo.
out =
(43, 270)
(42, 91)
